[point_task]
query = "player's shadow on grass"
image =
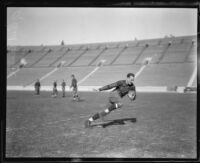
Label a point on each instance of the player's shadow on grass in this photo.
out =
(115, 122)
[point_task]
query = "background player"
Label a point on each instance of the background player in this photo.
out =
(63, 84)
(122, 88)
(75, 87)
(37, 87)
(55, 91)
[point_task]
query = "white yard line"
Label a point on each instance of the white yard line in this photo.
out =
(194, 74)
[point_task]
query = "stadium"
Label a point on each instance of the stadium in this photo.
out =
(164, 113)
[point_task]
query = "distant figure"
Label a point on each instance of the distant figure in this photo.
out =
(62, 42)
(75, 87)
(55, 91)
(63, 84)
(37, 87)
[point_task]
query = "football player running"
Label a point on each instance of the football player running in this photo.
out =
(121, 89)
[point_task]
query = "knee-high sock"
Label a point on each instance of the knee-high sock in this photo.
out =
(103, 113)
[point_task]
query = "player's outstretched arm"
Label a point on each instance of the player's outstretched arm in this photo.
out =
(96, 90)
(110, 86)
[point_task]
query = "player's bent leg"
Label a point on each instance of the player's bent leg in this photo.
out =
(118, 105)
(102, 114)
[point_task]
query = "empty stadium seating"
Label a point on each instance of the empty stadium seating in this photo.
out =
(192, 56)
(27, 76)
(176, 53)
(153, 52)
(174, 74)
(108, 55)
(129, 55)
(173, 61)
(65, 73)
(69, 57)
(49, 58)
(85, 59)
(109, 74)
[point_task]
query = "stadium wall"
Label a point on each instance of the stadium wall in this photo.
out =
(90, 88)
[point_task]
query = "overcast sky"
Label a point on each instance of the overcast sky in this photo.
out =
(48, 26)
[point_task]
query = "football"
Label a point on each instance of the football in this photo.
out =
(132, 95)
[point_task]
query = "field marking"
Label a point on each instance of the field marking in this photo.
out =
(12, 73)
(192, 77)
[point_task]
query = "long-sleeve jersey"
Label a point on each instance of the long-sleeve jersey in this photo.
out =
(54, 84)
(63, 84)
(74, 83)
(120, 86)
(37, 84)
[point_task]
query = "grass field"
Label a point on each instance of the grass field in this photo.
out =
(41, 126)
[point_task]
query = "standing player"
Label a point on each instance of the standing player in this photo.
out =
(55, 91)
(37, 87)
(63, 88)
(75, 87)
(122, 88)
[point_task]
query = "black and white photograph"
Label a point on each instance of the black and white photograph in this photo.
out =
(101, 82)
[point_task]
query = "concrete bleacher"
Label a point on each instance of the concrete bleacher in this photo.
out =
(69, 57)
(176, 53)
(110, 74)
(27, 75)
(49, 58)
(65, 73)
(33, 57)
(87, 57)
(127, 44)
(149, 42)
(14, 57)
(153, 52)
(128, 55)
(174, 74)
(171, 65)
(108, 55)
(192, 56)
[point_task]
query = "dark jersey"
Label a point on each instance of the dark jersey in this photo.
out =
(120, 86)
(74, 83)
(37, 84)
(63, 84)
(54, 84)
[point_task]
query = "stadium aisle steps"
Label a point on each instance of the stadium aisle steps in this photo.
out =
(120, 52)
(96, 57)
(58, 58)
(45, 54)
(176, 53)
(77, 58)
(138, 56)
(18, 61)
(189, 52)
(163, 54)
